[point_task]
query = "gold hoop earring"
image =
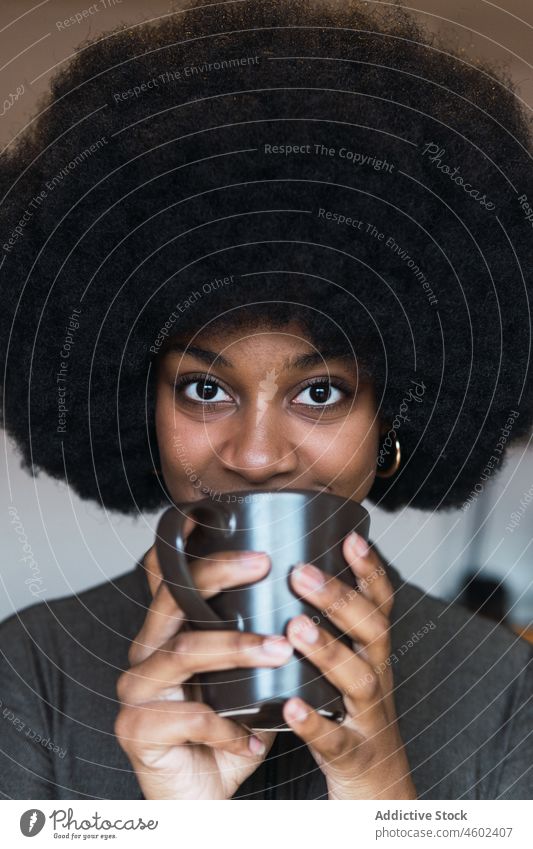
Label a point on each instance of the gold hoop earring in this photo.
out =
(389, 472)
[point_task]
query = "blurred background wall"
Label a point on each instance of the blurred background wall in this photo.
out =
(60, 545)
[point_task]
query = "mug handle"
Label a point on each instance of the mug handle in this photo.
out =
(172, 556)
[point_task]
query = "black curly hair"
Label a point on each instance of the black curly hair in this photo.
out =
(338, 165)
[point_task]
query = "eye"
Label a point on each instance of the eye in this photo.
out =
(321, 393)
(201, 390)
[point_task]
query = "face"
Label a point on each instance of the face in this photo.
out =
(260, 408)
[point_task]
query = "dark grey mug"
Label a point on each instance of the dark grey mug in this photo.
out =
(291, 526)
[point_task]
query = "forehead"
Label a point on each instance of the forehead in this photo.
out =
(237, 340)
(258, 346)
(240, 341)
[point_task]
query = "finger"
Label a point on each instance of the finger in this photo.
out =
(370, 572)
(225, 569)
(191, 652)
(163, 620)
(220, 571)
(354, 615)
(147, 732)
(346, 670)
(336, 743)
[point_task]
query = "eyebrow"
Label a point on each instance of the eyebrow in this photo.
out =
(206, 356)
(302, 361)
(315, 358)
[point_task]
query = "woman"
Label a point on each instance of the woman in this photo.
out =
(267, 246)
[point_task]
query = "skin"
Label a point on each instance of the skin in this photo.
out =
(262, 428)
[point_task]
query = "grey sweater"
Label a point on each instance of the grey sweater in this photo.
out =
(463, 694)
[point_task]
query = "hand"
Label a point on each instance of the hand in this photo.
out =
(363, 757)
(182, 749)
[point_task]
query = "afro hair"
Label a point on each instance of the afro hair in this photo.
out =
(338, 165)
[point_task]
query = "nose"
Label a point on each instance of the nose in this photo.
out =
(259, 447)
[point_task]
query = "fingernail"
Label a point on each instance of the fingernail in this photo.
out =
(304, 628)
(253, 559)
(296, 711)
(309, 576)
(256, 746)
(277, 646)
(359, 545)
